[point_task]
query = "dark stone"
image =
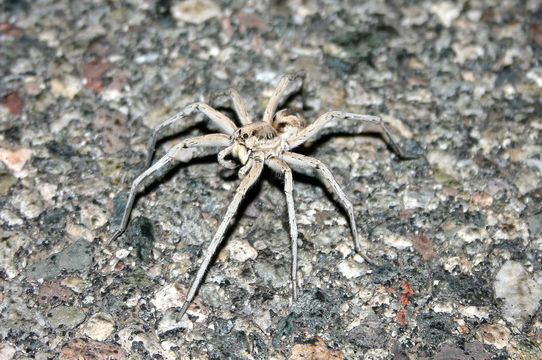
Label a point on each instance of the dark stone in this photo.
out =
(15, 6)
(434, 328)
(476, 217)
(140, 235)
(411, 148)
(138, 279)
(317, 309)
(507, 76)
(259, 349)
(223, 326)
(285, 327)
(470, 351)
(534, 222)
(229, 346)
(162, 11)
(471, 290)
(384, 274)
(53, 220)
(76, 258)
(533, 202)
(111, 304)
(370, 334)
(61, 150)
(341, 67)
(119, 204)
(398, 351)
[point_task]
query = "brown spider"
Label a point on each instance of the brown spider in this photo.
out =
(255, 144)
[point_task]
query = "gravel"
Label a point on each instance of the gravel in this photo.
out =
(455, 233)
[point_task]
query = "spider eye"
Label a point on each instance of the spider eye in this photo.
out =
(245, 136)
(282, 125)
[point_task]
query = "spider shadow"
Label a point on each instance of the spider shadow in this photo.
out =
(314, 180)
(311, 147)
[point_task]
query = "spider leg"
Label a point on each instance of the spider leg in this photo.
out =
(228, 164)
(304, 163)
(280, 166)
(240, 193)
(238, 104)
(245, 168)
(331, 122)
(279, 91)
(224, 124)
(184, 151)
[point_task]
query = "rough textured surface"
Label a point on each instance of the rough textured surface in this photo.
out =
(457, 232)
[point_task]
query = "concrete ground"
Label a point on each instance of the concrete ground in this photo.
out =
(456, 233)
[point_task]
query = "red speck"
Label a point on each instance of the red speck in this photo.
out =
(226, 26)
(119, 265)
(391, 290)
(93, 72)
(401, 317)
(407, 292)
(10, 30)
(424, 246)
(13, 102)
(251, 21)
(96, 85)
(535, 33)
(52, 289)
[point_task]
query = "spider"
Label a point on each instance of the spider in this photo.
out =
(252, 146)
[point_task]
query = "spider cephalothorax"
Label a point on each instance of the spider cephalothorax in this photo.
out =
(268, 142)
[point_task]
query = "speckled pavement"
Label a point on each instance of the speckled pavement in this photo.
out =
(456, 233)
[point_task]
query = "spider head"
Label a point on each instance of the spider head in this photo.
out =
(257, 136)
(288, 122)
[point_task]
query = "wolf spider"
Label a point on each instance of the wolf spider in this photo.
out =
(253, 145)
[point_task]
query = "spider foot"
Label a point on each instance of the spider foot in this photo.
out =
(182, 311)
(365, 257)
(115, 235)
(410, 149)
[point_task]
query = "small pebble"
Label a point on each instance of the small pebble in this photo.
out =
(314, 349)
(446, 11)
(99, 326)
(241, 250)
(169, 296)
(520, 290)
(67, 86)
(6, 351)
(195, 11)
(351, 269)
(66, 316)
(15, 159)
(494, 334)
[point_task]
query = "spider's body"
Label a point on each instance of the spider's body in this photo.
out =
(255, 137)
(254, 145)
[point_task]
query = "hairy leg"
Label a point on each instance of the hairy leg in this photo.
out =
(224, 124)
(280, 166)
(238, 104)
(303, 163)
(228, 164)
(279, 91)
(240, 193)
(184, 151)
(339, 121)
